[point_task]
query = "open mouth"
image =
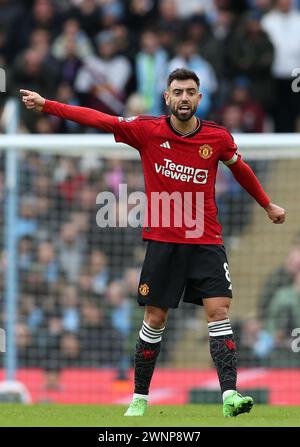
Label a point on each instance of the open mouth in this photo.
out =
(184, 108)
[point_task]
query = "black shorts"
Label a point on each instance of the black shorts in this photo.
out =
(174, 271)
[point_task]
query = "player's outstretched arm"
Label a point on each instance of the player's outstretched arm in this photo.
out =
(82, 115)
(248, 180)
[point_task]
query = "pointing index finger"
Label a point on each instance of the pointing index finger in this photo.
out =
(25, 92)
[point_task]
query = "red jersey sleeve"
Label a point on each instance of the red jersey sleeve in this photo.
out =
(229, 154)
(248, 180)
(241, 171)
(130, 131)
(81, 115)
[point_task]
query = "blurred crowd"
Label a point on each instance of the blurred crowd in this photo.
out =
(78, 282)
(270, 338)
(115, 56)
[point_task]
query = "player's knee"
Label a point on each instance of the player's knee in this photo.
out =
(217, 314)
(156, 317)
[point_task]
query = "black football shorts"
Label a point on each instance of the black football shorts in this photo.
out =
(192, 272)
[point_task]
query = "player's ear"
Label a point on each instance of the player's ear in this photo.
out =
(167, 98)
(199, 97)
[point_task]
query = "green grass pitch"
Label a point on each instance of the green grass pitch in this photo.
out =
(51, 415)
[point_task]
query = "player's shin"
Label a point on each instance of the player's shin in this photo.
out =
(146, 353)
(223, 353)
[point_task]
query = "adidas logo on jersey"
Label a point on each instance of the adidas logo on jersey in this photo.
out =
(166, 144)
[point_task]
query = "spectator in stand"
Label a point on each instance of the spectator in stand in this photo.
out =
(135, 105)
(251, 114)
(283, 316)
(100, 343)
(255, 344)
(281, 277)
(12, 16)
(192, 7)
(97, 82)
(112, 12)
(121, 309)
(140, 14)
(99, 271)
(115, 175)
(88, 13)
(70, 181)
(71, 247)
(261, 7)
(31, 313)
(85, 281)
(25, 346)
(232, 118)
(168, 17)
(66, 94)
(188, 57)
(151, 72)
(25, 253)
(47, 261)
(69, 304)
(45, 194)
(27, 222)
(251, 56)
(32, 69)
(70, 350)
(48, 349)
(282, 24)
(40, 41)
(45, 15)
(208, 46)
(72, 33)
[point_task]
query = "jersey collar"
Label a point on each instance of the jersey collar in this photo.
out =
(184, 135)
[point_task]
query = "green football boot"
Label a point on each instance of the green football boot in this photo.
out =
(137, 407)
(236, 404)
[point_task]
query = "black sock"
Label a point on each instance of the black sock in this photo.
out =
(146, 354)
(223, 353)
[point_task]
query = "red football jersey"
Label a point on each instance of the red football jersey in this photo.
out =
(179, 170)
(180, 174)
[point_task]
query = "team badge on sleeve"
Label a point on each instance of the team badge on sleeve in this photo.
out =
(205, 151)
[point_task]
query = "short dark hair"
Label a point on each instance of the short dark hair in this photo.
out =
(182, 74)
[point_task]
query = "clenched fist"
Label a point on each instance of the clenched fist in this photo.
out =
(275, 213)
(32, 100)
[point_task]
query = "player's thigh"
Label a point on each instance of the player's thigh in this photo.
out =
(208, 276)
(163, 275)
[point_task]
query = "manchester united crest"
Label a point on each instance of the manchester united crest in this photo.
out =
(205, 151)
(144, 289)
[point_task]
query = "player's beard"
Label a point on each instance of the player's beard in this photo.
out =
(184, 116)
